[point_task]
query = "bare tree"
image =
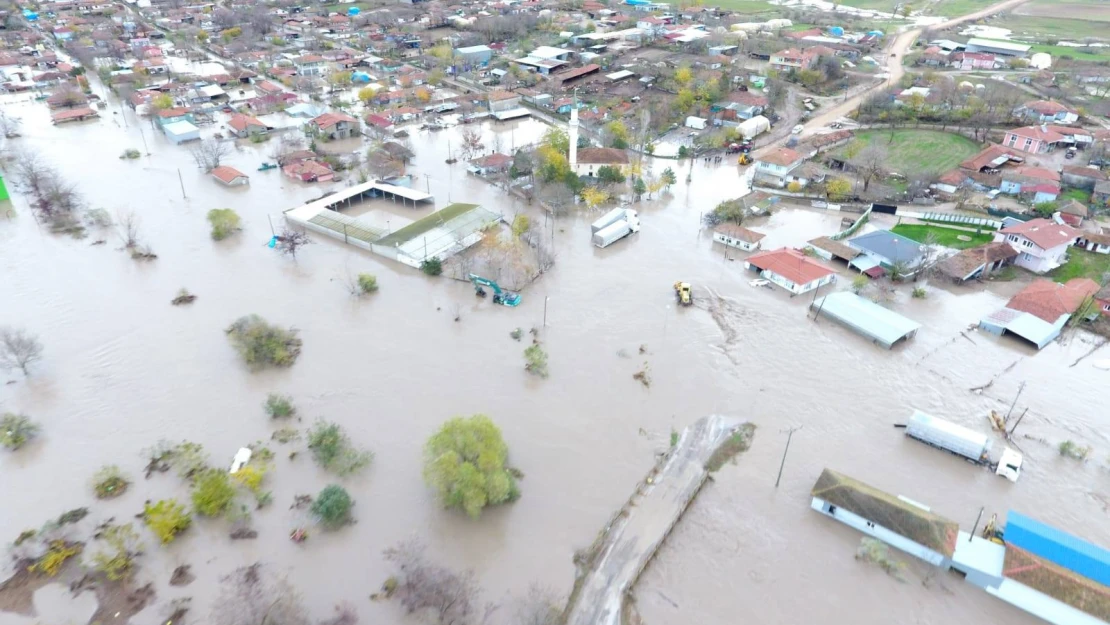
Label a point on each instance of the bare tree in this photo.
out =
(451, 597)
(18, 349)
(870, 162)
(471, 142)
(68, 94)
(540, 606)
(256, 595)
(286, 144)
(31, 171)
(128, 224)
(209, 153)
(289, 241)
(9, 126)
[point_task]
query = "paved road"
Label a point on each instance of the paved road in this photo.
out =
(632, 538)
(894, 55)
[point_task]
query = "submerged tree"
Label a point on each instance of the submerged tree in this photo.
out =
(289, 241)
(450, 597)
(208, 154)
(257, 595)
(465, 462)
(264, 345)
(19, 349)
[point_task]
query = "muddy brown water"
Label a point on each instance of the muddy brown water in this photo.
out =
(123, 369)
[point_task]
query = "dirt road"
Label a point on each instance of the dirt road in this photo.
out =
(894, 56)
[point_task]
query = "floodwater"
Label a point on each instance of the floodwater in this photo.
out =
(124, 369)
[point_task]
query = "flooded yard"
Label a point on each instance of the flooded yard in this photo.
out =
(124, 369)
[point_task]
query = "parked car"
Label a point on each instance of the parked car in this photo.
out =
(797, 129)
(1070, 153)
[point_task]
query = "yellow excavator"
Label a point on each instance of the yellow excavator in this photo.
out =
(744, 159)
(682, 293)
(992, 532)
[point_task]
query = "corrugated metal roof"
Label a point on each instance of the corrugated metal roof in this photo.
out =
(1070, 552)
(866, 317)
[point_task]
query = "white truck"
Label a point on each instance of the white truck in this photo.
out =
(963, 442)
(614, 225)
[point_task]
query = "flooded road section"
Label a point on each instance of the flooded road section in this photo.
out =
(124, 369)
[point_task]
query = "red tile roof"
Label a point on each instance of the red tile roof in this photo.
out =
(497, 96)
(1046, 107)
(173, 112)
(1047, 234)
(241, 122)
(791, 264)
(226, 174)
(1038, 173)
(603, 156)
(1049, 301)
(1046, 134)
(984, 158)
(494, 160)
(781, 157)
(328, 120)
(739, 232)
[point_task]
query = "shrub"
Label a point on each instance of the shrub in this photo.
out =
(130, 154)
(535, 360)
(263, 345)
(333, 450)
(333, 506)
(794, 186)
(859, 283)
(123, 547)
(367, 283)
(465, 462)
(224, 221)
(432, 266)
(1070, 449)
(110, 482)
(279, 406)
(212, 492)
(919, 292)
(16, 430)
(516, 334)
(57, 553)
(251, 477)
(166, 519)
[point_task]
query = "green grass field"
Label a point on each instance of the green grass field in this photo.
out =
(1082, 264)
(956, 8)
(1026, 26)
(1099, 54)
(921, 151)
(948, 237)
(1078, 195)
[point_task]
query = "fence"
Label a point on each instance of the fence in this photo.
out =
(854, 227)
(963, 220)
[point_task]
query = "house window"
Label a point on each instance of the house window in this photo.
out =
(1027, 243)
(1028, 257)
(1028, 142)
(1011, 139)
(1012, 238)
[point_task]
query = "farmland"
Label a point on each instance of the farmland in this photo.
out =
(913, 152)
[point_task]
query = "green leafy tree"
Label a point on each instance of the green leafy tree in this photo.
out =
(16, 430)
(123, 545)
(333, 450)
(639, 188)
(367, 283)
(224, 221)
(166, 518)
(333, 506)
(607, 174)
(557, 139)
(264, 345)
(669, 178)
(521, 223)
(838, 189)
(432, 266)
(683, 76)
(110, 482)
(1045, 209)
(163, 101)
(618, 133)
(213, 493)
(279, 406)
(465, 462)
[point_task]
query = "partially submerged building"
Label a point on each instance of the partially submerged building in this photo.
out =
(866, 318)
(441, 235)
(791, 269)
(1042, 570)
(1039, 312)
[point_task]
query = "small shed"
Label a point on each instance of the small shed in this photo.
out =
(696, 122)
(867, 318)
(181, 131)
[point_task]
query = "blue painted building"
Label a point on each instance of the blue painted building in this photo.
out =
(1049, 543)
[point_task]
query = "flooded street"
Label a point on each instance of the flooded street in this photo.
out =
(123, 369)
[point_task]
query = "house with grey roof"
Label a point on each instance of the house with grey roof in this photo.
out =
(883, 248)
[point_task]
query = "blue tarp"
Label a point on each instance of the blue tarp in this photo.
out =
(353, 11)
(836, 31)
(360, 77)
(1070, 552)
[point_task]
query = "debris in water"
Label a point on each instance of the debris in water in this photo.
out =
(643, 376)
(182, 576)
(183, 297)
(877, 552)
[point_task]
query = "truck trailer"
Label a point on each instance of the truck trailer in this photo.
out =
(963, 442)
(614, 226)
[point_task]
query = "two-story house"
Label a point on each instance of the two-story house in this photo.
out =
(972, 60)
(245, 126)
(334, 126)
(1046, 112)
(1042, 244)
(795, 59)
(503, 101)
(310, 65)
(777, 166)
(1045, 138)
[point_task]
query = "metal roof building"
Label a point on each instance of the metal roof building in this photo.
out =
(867, 318)
(1070, 552)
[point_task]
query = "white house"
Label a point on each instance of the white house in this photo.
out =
(897, 521)
(791, 269)
(1094, 242)
(1042, 244)
(736, 236)
(777, 166)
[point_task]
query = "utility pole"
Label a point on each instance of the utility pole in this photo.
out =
(143, 135)
(181, 181)
(1010, 434)
(1020, 389)
(545, 298)
(789, 435)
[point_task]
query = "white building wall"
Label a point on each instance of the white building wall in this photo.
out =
(877, 531)
(731, 242)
